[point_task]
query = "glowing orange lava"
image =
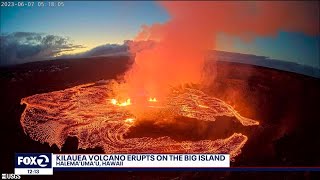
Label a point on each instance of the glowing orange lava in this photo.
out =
(203, 106)
(152, 100)
(125, 103)
(82, 111)
(129, 120)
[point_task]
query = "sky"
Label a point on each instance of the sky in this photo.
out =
(90, 24)
(87, 23)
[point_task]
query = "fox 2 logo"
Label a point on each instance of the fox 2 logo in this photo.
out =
(33, 160)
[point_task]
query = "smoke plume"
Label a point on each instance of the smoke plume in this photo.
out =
(178, 56)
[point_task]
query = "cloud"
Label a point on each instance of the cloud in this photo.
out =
(22, 47)
(128, 47)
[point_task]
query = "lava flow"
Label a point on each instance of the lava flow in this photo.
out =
(87, 113)
(125, 103)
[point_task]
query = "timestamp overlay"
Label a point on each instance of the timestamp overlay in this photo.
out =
(32, 4)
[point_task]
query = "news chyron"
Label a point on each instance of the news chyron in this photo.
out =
(47, 163)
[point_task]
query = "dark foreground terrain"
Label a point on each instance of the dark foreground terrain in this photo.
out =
(285, 104)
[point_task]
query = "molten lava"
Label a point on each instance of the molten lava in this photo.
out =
(82, 111)
(202, 106)
(125, 103)
(152, 100)
(129, 120)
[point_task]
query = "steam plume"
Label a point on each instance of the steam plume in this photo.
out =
(178, 57)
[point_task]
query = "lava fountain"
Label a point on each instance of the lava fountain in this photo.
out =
(88, 113)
